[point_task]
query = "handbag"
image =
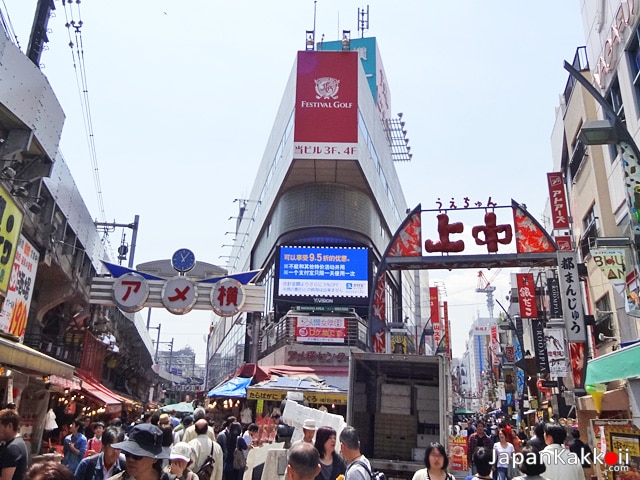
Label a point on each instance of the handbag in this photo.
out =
(239, 460)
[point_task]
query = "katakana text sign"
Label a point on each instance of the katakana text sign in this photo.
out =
(130, 291)
(179, 295)
(558, 199)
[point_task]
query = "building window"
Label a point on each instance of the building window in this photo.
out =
(604, 320)
(590, 229)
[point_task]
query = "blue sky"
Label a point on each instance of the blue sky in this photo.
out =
(183, 96)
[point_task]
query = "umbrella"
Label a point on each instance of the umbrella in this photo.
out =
(182, 407)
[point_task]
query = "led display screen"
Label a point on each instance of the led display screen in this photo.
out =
(323, 271)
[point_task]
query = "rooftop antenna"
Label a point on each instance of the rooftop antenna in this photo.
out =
(311, 34)
(363, 21)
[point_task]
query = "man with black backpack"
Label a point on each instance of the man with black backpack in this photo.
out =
(358, 466)
(105, 464)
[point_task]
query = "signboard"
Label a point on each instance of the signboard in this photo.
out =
(227, 297)
(323, 272)
(540, 347)
(327, 398)
(527, 295)
(10, 225)
(326, 110)
(556, 352)
(434, 306)
(558, 199)
(555, 302)
(15, 310)
(611, 263)
(571, 297)
(321, 329)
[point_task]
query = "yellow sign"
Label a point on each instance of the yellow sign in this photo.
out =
(337, 398)
(10, 225)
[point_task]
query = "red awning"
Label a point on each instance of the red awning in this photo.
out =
(112, 401)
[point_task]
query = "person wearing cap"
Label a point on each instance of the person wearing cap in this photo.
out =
(144, 453)
(179, 461)
(178, 432)
(107, 463)
(308, 431)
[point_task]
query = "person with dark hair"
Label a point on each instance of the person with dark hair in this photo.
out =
(477, 440)
(560, 462)
(303, 462)
(94, 444)
(537, 441)
(15, 456)
(358, 466)
(223, 436)
(483, 461)
(179, 431)
(331, 464)
(249, 438)
(75, 445)
(436, 462)
(503, 452)
(48, 470)
(234, 433)
(580, 448)
(105, 464)
(531, 465)
(144, 453)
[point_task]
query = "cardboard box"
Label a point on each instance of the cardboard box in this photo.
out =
(396, 389)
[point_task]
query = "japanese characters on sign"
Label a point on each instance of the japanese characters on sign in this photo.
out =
(301, 356)
(490, 235)
(527, 295)
(179, 295)
(10, 225)
(15, 309)
(558, 199)
(321, 329)
(556, 352)
(571, 297)
(130, 292)
(227, 297)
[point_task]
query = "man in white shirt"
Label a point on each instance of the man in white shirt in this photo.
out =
(560, 462)
(202, 447)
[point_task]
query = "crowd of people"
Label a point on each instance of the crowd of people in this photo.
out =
(547, 454)
(162, 447)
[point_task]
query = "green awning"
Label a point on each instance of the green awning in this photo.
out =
(15, 354)
(619, 365)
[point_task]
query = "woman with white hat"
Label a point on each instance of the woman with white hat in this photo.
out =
(179, 461)
(144, 453)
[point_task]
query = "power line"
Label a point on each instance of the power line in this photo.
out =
(83, 90)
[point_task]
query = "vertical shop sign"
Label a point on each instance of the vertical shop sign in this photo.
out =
(555, 300)
(527, 295)
(558, 199)
(495, 345)
(540, 347)
(434, 304)
(15, 310)
(571, 297)
(556, 351)
(10, 225)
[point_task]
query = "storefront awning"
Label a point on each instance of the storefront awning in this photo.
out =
(313, 392)
(20, 356)
(112, 401)
(618, 365)
(233, 388)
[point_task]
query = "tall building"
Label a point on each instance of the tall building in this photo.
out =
(600, 178)
(325, 203)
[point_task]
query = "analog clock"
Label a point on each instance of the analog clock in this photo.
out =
(183, 260)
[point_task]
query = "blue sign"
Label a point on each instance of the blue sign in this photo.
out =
(323, 271)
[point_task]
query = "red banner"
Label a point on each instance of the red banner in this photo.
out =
(527, 295)
(434, 303)
(92, 360)
(326, 105)
(447, 330)
(558, 199)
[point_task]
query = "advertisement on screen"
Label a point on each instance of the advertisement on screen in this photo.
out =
(323, 272)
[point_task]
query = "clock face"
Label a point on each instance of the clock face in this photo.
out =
(183, 260)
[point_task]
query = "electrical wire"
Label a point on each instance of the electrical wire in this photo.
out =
(8, 25)
(79, 66)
